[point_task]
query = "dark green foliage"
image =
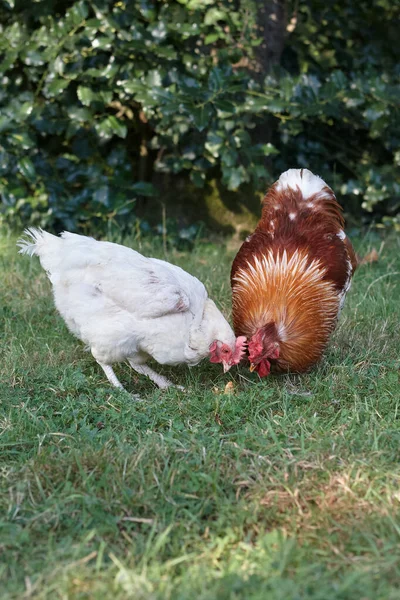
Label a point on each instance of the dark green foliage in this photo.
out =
(349, 58)
(102, 101)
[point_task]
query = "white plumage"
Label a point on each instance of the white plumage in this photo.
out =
(125, 306)
(308, 183)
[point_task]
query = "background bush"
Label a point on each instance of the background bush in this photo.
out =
(104, 104)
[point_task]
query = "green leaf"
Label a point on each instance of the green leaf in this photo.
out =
(268, 149)
(102, 195)
(235, 177)
(85, 95)
(198, 178)
(33, 58)
(216, 80)
(142, 188)
(55, 87)
(242, 138)
(77, 13)
(111, 126)
(8, 61)
(79, 114)
(225, 106)
(375, 111)
(25, 109)
(132, 87)
(212, 37)
(5, 123)
(353, 99)
(229, 157)
(275, 105)
(22, 140)
(213, 15)
(213, 144)
(154, 78)
(104, 97)
(117, 126)
(147, 9)
(26, 167)
(201, 116)
(339, 79)
(102, 42)
(196, 4)
(254, 104)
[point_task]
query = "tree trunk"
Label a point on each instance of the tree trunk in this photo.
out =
(271, 20)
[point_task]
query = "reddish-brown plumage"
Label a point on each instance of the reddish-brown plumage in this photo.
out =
(290, 276)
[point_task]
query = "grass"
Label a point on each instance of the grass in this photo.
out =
(285, 488)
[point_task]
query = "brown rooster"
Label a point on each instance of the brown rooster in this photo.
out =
(290, 277)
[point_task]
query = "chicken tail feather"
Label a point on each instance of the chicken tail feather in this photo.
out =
(30, 244)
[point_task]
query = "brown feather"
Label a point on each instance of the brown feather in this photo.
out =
(292, 272)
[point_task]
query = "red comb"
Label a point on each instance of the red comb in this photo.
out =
(240, 349)
(255, 347)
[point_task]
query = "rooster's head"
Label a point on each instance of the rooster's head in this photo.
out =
(263, 347)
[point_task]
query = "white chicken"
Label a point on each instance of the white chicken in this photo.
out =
(125, 306)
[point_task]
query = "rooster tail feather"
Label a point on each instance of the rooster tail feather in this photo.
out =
(302, 179)
(299, 189)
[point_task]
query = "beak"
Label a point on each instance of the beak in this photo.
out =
(226, 367)
(253, 367)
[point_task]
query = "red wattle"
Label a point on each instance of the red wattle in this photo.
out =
(264, 368)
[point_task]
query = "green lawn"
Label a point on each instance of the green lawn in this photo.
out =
(286, 488)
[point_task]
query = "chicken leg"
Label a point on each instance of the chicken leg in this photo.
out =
(111, 376)
(113, 379)
(159, 380)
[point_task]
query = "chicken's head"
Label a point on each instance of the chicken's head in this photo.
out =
(221, 352)
(262, 349)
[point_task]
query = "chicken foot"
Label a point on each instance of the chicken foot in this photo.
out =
(159, 380)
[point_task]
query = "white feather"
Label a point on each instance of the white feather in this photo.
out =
(126, 306)
(308, 183)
